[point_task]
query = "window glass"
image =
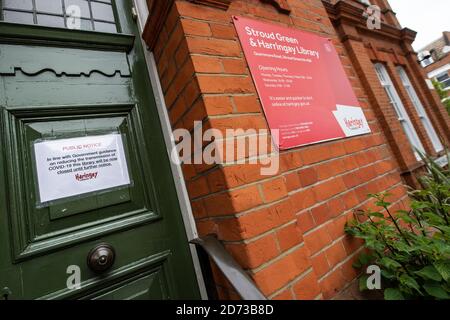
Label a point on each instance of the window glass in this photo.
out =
(49, 6)
(104, 27)
(427, 62)
(444, 79)
(82, 4)
(102, 11)
(18, 4)
(90, 15)
(18, 17)
(50, 21)
(87, 25)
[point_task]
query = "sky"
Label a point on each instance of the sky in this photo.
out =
(429, 18)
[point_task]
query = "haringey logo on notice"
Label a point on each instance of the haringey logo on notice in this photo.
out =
(354, 124)
(351, 120)
(86, 176)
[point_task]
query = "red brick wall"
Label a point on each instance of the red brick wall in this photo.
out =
(286, 230)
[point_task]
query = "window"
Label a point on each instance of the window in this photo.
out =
(444, 79)
(425, 58)
(399, 108)
(426, 62)
(95, 15)
(420, 110)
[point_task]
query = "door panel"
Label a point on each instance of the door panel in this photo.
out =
(63, 87)
(150, 284)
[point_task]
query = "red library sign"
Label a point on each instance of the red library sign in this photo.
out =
(305, 93)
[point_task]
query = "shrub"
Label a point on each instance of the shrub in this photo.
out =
(412, 248)
(442, 94)
(447, 105)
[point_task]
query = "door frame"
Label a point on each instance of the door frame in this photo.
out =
(177, 174)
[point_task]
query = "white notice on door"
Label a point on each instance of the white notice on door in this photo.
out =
(71, 167)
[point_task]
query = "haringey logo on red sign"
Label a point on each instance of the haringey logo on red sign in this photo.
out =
(354, 124)
(86, 176)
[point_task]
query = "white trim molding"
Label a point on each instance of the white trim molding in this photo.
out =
(438, 71)
(442, 161)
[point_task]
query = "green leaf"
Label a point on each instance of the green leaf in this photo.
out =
(393, 294)
(376, 214)
(405, 217)
(445, 229)
(364, 258)
(435, 290)
(429, 272)
(410, 282)
(363, 283)
(387, 274)
(419, 205)
(383, 204)
(389, 263)
(443, 268)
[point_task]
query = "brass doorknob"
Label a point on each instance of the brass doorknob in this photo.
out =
(101, 258)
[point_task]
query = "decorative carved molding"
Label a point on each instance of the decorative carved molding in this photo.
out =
(221, 4)
(374, 51)
(344, 12)
(158, 12)
(52, 60)
(396, 57)
(388, 10)
(281, 5)
(408, 35)
(351, 37)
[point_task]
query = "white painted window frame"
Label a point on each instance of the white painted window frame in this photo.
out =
(399, 108)
(438, 147)
(446, 87)
(438, 71)
(141, 10)
(427, 62)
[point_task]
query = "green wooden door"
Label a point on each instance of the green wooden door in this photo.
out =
(57, 84)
